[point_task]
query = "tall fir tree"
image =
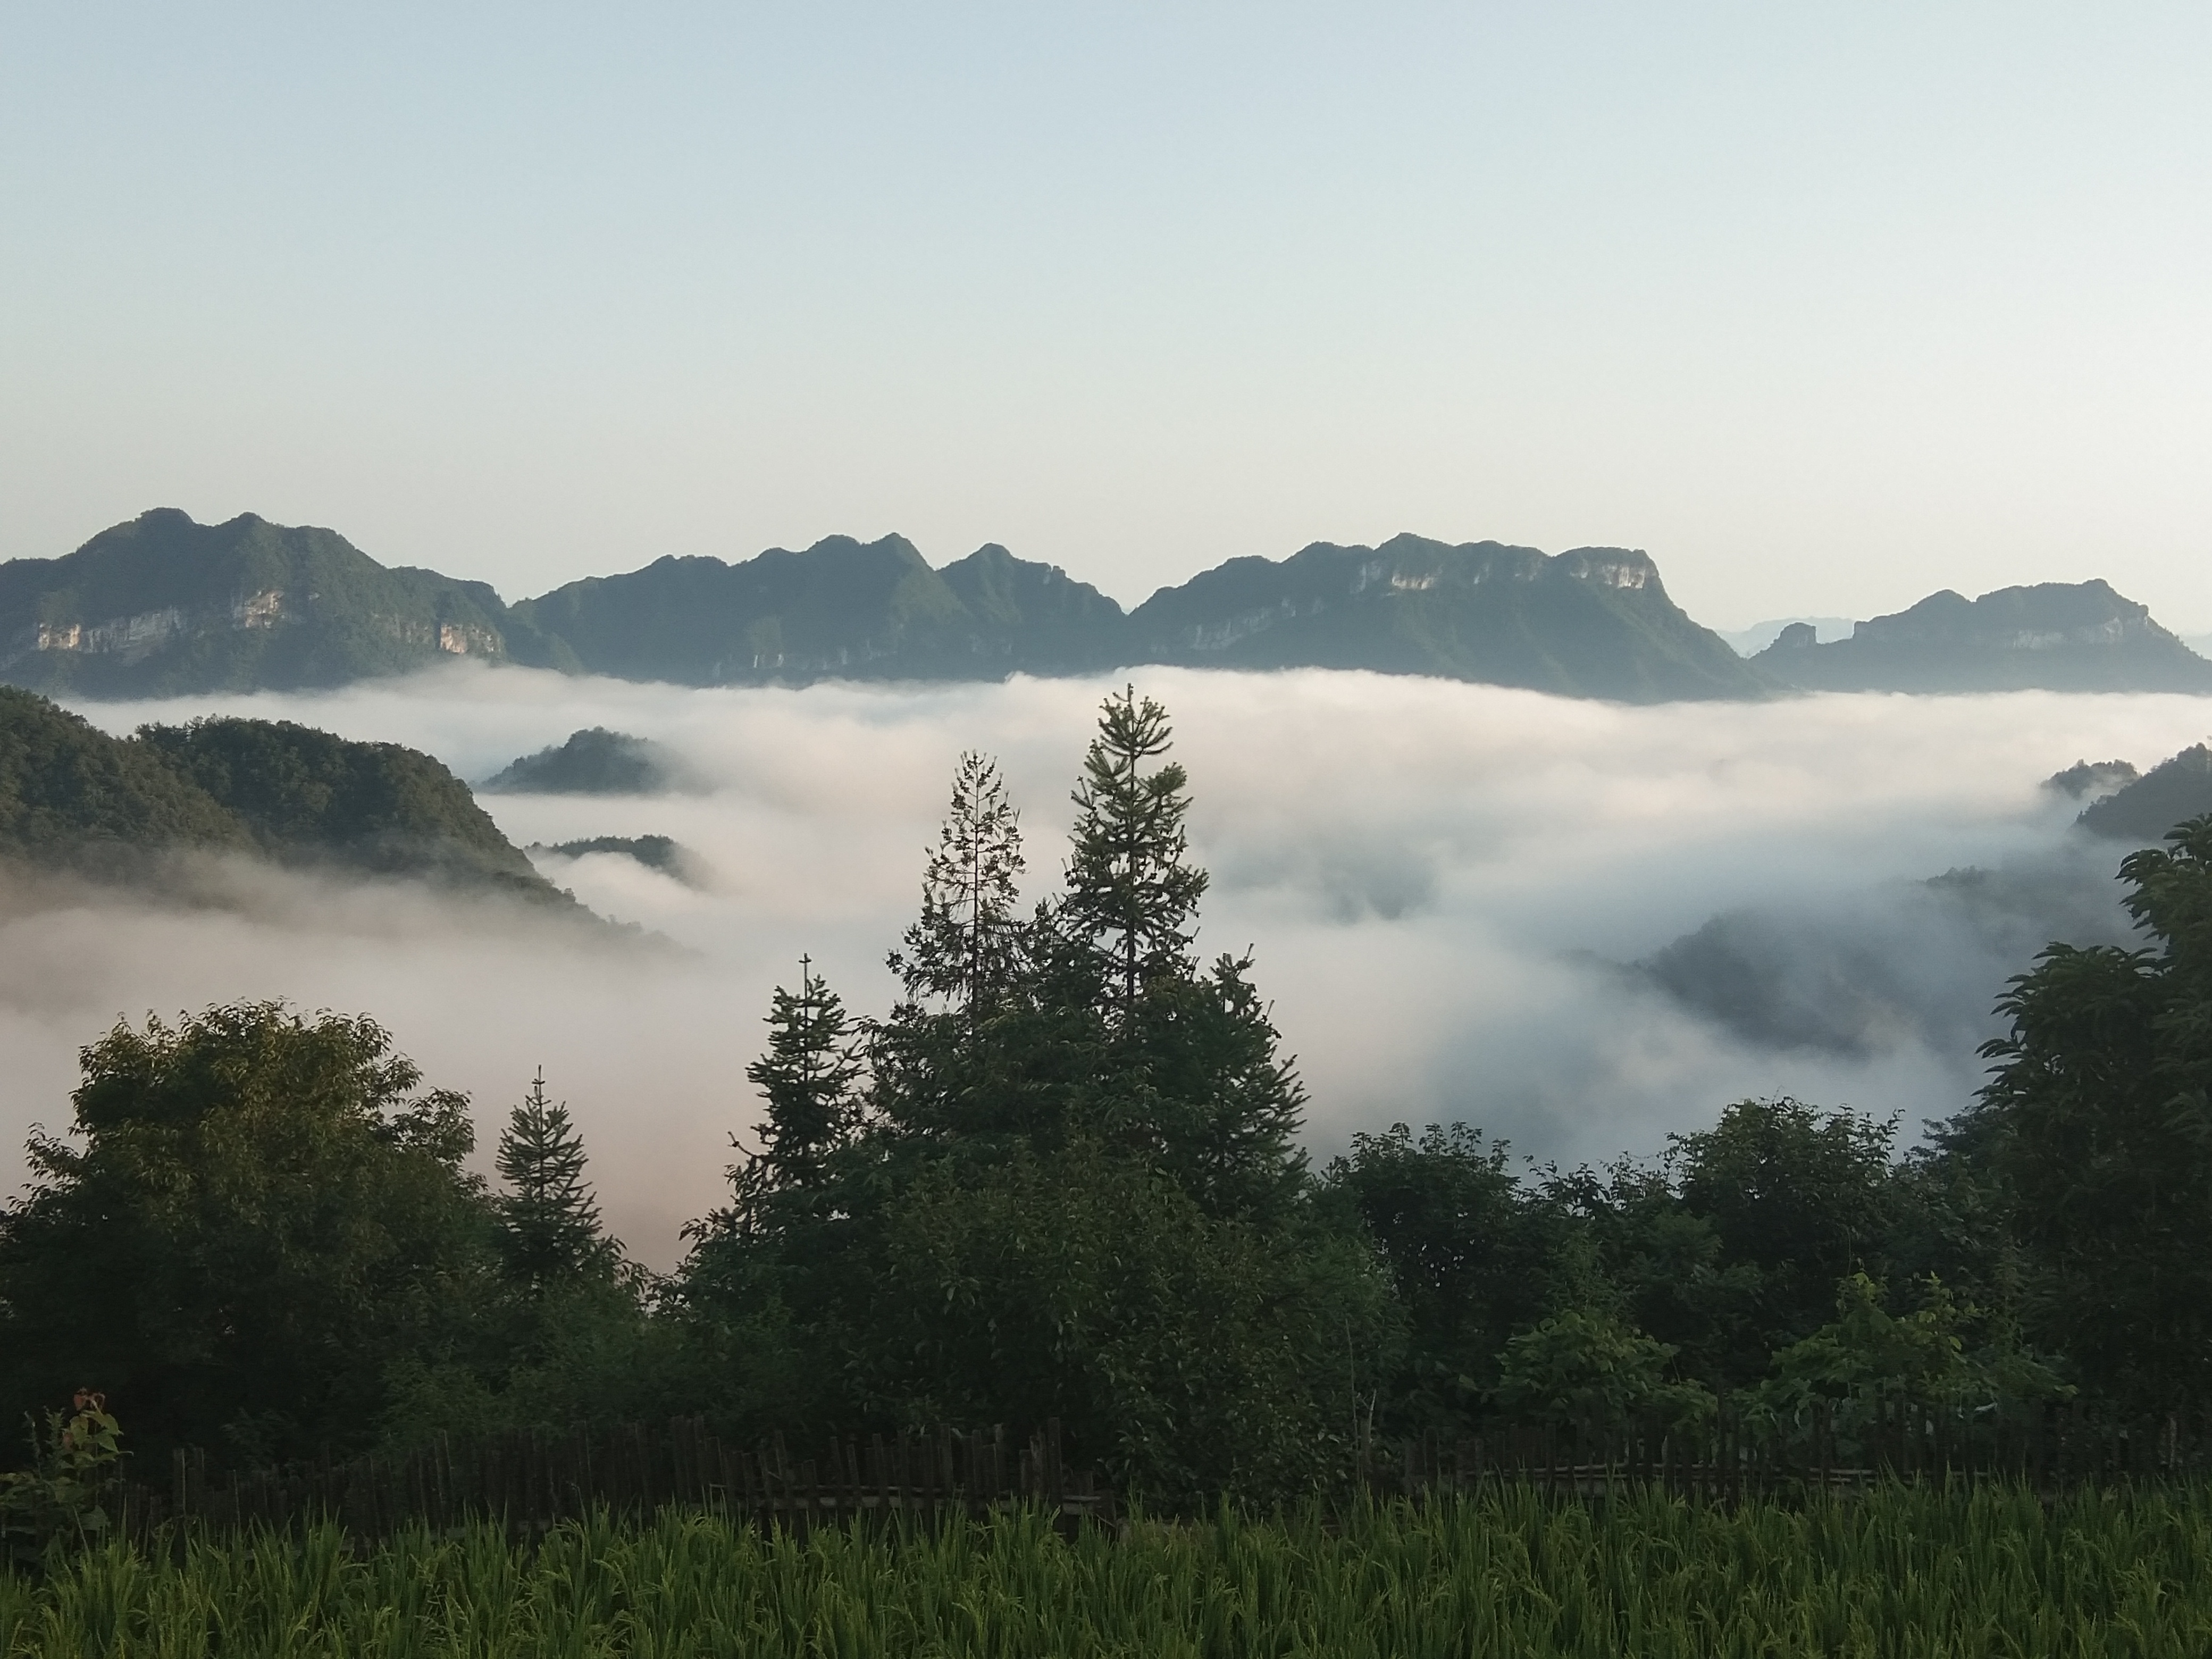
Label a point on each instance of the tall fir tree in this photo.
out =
(809, 1077)
(549, 1216)
(1129, 913)
(967, 947)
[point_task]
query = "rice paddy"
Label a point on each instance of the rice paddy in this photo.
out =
(1903, 1571)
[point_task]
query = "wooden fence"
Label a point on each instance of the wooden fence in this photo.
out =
(530, 1482)
(2048, 1451)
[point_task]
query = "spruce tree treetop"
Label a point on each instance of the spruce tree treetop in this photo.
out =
(549, 1216)
(967, 946)
(809, 1077)
(1131, 905)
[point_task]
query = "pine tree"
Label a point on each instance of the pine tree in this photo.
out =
(967, 947)
(549, 1216)
(808, 1076)
(1131, 905)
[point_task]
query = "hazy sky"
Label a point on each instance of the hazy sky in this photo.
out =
(1826, 306)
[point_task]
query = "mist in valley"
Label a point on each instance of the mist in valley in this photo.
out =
(1575, 925)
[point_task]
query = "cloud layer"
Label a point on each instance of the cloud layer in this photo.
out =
(1444, 886)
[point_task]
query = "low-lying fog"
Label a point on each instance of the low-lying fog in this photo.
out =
(1446, 886)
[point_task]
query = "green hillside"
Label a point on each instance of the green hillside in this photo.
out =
(1595, 622)
(73, 798)
(591, 762)
(308, 797)
(2142, 810)
(163, 606)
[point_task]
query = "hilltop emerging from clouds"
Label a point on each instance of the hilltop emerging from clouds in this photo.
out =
(165, 606)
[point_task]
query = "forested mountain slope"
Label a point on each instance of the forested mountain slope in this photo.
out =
(73, 798)
(2142, 810)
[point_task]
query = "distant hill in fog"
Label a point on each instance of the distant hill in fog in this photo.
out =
(2054, 636)
(1750, 642)
(164, 606)
(593, 761)
(73, 798)
(2143, 810)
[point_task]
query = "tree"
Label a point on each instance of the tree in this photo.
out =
(808, 1078)
(548, 1218)
(966, 948)
(1867, 1361)
(263, 1216)
(2097, 1121)
(1129, 909)
(1469, 1252)
(1187, 1355)
(1796, 1199)
(1583, 1367)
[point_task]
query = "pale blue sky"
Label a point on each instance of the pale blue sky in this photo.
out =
(1827, 306)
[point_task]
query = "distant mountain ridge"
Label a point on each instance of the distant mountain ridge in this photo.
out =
(163, 606)
(1591, 622)
(2080, 636)
(842, 609)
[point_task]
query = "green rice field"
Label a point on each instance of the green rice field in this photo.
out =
(1901, 1571)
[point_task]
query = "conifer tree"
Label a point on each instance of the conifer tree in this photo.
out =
(549, 1216)
(808, 1078)
(1131, 905)
(967, 946)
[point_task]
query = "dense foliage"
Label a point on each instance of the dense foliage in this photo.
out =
(1061, 1177)
(73, 798)
(1912, 1572)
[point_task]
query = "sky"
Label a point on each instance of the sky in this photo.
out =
(1447, 890)
(1826, 307)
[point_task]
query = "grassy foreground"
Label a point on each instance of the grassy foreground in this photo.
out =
(1903, 1571)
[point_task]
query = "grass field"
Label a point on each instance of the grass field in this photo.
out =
(1901, 1572)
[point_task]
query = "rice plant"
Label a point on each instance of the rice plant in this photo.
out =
(1903, 1571)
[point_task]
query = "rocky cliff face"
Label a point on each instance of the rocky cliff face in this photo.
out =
(2080, 636)
(165, 606)
(1592, 621)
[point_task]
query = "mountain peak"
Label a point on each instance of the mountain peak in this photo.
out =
(2076, 636)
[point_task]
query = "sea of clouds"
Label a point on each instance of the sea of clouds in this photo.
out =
(1466, 903)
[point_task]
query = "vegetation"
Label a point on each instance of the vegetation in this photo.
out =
(1905, 1572)
(73, 798)
(660, 853)
(1061, 1178)
(2142, 809)
(593, 761)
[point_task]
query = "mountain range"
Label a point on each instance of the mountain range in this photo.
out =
(2054, 636)
(163, 606)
